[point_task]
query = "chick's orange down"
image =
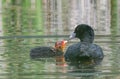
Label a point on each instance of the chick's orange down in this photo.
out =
(60, 46)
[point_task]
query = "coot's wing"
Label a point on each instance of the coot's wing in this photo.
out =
(72, 52)
(84, 52)
(97, 53)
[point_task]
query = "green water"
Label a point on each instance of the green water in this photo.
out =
(26, 24)
(15, 62)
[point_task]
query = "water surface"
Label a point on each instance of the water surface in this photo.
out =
(15, 62)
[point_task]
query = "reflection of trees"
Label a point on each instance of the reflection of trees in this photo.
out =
(63, 15)
(114, 17)
(114, 32)
(25, 17)
(17, 22)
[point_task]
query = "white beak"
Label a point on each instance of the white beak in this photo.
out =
(72, 36)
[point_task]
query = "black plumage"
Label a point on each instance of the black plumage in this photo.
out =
(85, 51)
(44, 52)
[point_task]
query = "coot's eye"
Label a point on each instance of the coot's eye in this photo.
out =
(76, 30)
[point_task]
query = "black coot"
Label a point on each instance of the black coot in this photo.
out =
(84, 52)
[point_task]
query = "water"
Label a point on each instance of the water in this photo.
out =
(15, 62)
(25, 25)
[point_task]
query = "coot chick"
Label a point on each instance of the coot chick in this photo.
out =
(60, 60)
(47, 52)
(84, 52)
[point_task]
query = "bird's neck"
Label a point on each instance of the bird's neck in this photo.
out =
(87, 39)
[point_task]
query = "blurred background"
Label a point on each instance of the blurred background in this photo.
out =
(25, 24)
(58, 17)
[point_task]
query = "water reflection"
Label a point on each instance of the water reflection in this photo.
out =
(15, 63)
(57, 17)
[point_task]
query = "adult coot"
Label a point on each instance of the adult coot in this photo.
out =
(84, 52)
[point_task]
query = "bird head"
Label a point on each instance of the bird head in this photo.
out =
(84, 32)
(60, 45)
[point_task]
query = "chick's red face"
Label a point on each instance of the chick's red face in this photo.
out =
(60, 45)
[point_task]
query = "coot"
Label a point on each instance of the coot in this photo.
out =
(84, 52)
(48, 51)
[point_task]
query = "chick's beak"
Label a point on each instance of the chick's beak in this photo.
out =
(65, 42)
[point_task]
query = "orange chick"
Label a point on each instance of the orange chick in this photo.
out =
(60, 46)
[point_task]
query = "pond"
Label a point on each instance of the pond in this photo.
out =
(15, 62)
(49, 21)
